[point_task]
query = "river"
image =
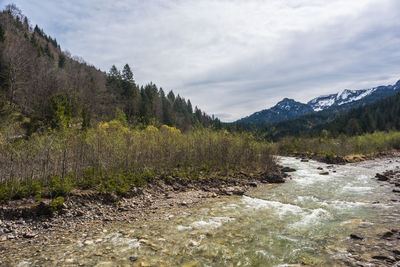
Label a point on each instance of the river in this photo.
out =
(307, 220)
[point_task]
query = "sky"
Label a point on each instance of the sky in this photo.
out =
(232, 57)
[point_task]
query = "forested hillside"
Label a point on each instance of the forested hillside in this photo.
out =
(66, 125)
(42, 86)
(383, 115)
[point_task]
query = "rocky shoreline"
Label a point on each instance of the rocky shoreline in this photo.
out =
(385, 250)
(25, 220)
(353, 158)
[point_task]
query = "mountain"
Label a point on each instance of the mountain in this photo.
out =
(288, 109)
(366, 96)
(383, 115)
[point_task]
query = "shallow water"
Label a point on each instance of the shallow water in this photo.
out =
(307, 220)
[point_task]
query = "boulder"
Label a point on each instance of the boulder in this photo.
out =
(381, 177)
(288, 169)
(356, 237)
(233, 190)
(273, 178)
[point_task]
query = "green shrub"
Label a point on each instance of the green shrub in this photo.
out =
(56, 204)
(59, 186)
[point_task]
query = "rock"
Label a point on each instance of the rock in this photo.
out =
(304, 160)
(184, 203)
(272, 178)
(396, 191)
(396, 251)
(144, 264)
(320, 168)
(79, 213)
(381, 177)
(29, 234)
(193, 243)
(3, 238)
(253, 184)
(233, 190)
(190, 264)
(88, 242)
(324, 173)
(356, 237)
(105, 264)
(387, 235)
(169, 196)
(133, 258)
(384, 258)
(288, 169)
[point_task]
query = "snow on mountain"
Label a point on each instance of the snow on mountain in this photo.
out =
(344, 97)
(289, 109)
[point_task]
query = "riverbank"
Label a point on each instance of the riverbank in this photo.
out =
(336, 159)
(345, 217)
(29, 219)
(383, 249)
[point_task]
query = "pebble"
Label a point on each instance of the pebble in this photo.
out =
(133, 258)
(10, 237)
(29, 235)
(356, 237)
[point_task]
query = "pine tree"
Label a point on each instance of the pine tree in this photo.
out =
(171, 96)
(127, 82)
(47, 51)
(114, 80)
(61, 61)
(190, 108)
(127, 74)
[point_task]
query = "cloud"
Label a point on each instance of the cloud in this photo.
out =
(232, 57)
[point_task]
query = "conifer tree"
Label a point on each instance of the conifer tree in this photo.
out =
(61, 61)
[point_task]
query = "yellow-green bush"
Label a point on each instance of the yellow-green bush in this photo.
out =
(113, 157)
(343, 145)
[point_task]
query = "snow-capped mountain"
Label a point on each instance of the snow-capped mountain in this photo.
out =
(286, 109)
(290, 109)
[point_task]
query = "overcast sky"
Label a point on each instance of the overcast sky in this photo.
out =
(232, 57)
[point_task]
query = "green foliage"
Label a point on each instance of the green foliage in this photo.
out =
(341, 146)
(113, 158)
(85, 119)
(86, 88)
(58, 112)
(48, 52)
(59, 186)
(121, 117)
(61, 61)
(56, 204)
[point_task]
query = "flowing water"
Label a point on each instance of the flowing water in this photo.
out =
(307, 220)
